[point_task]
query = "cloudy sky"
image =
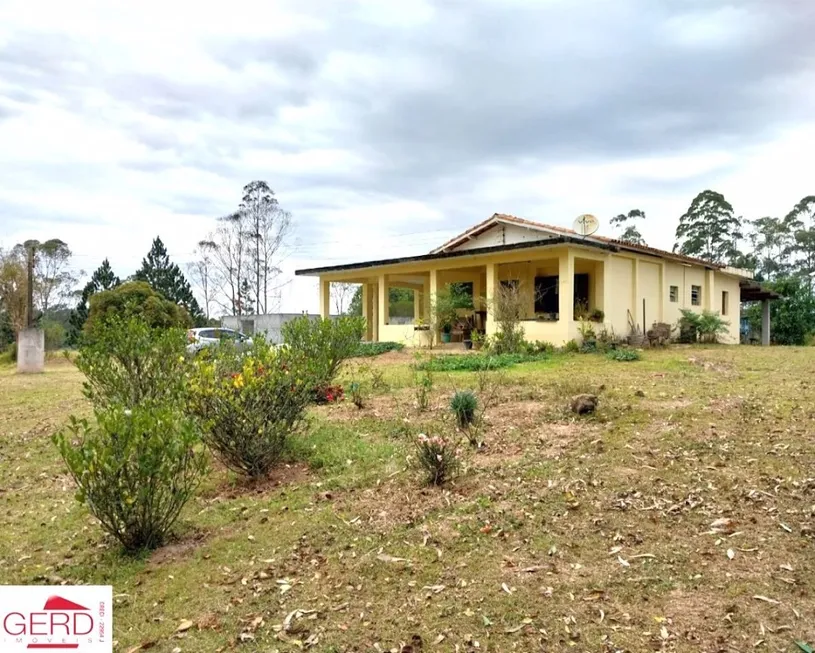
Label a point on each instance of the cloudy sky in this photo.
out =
(387, 127)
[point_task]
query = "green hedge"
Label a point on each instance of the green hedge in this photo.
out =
(377, 348)
(476, 362)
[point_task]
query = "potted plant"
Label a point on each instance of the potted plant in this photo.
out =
(423, 335)
(477, 340)
(597, 315)
(421, 325)
(446, 331)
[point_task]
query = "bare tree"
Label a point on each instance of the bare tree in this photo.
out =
(341, 293)
(228, 261)
(204, 273)
(267, 227)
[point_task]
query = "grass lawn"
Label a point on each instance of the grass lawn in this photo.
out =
(563, 533)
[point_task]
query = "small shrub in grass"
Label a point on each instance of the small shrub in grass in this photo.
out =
(135, 469)
(356, 393)
(377, 348)
(624, 355)
(438, 458)
(571, 347)
(251, 402)
(464, 405)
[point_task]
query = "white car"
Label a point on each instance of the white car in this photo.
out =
(197, 339)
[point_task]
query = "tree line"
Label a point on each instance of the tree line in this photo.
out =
(779, 251)
(236, 271)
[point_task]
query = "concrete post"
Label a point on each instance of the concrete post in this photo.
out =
(432, 289)
(490, 293)
(325, 298)
(636, 308)
(384, 302)
(31, 351)
(765, 322)
(366, 310)
(710, 300)
(566, 289)
(607, 289)
(375, 312)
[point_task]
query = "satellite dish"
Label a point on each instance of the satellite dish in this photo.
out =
(586, 224)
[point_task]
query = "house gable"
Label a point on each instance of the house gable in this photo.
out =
(502, 234)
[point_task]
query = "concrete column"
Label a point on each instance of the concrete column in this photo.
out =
(663, 294)
(566, 288)
(417, 305)
(765, 322)
(374, 292)
(490, 293)
(607, 290)
(31, 351)
(384, 303)
(636, 303)
(432, 289)
(366, 310)
(325, 298)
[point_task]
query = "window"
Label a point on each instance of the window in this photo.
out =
(546, 294)
(725, 302)
(581, 291)
(674, 294)
(696, 295)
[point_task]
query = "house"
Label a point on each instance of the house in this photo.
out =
(624, 284)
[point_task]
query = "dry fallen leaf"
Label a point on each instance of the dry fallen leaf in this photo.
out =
(623, 561)
(766, 599)
(184, 626)
(384, 557)
(731, 554)
(723, 525)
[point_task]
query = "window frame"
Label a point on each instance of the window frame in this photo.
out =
(725, 302)
(673, 294)
(698, 291)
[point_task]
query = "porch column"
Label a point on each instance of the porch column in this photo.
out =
(432, 289)
(490, 293)
(374, 294)
(417, 305)
(384, 303)
(366, 310)
(765, 322)
(607, 289)
(636, 311)
(325, 298)
(566, 288)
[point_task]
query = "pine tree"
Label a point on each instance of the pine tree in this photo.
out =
(103, 279)
(167, 278)
(708, 229)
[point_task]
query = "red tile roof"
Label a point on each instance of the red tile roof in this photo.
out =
(481, 227)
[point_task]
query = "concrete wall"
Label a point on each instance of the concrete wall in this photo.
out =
(622, 289)
(31, 351)
(270, 324)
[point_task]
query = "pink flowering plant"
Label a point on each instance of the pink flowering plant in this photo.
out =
(437, 457)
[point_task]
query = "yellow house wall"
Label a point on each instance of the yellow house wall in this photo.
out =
(614, 289)
(622, 289)
(648, 289)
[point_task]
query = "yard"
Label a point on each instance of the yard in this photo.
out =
(679, 517)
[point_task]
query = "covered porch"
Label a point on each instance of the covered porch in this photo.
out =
(557, 287)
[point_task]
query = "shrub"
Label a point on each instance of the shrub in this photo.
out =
(422, 387)
(437, 458)
(376, 348)
(464, 404)
(328, 394)
(571, 347)
(135, 470)
(539, 347)
(129, 363)
(706, 326)
(326, 343)
(135, 299)
(357, 396)
(624, 355)
(509, 308)
(54, 334)
(251, 401)
(597, 315)
(137, 467)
